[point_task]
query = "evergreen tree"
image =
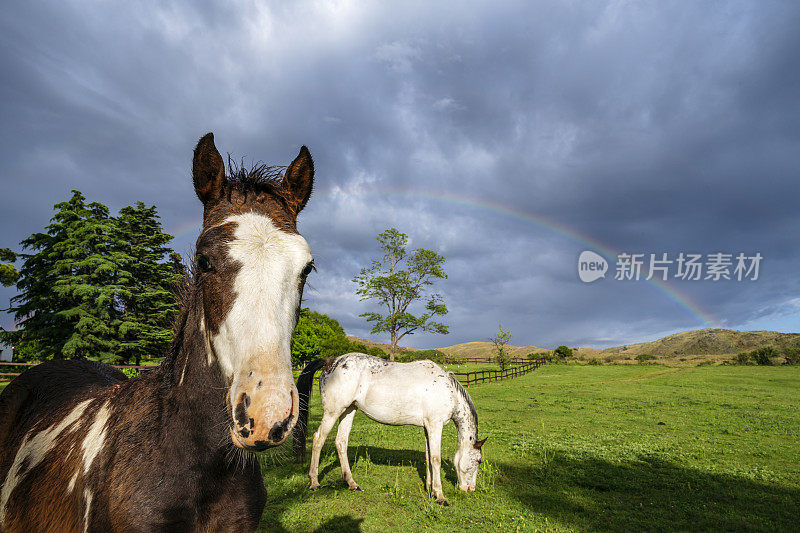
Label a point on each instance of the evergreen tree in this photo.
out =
(146, 284)
(8, 272)
(66, 301)
(94, 286)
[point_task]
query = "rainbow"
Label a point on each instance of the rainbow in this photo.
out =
(552, 226)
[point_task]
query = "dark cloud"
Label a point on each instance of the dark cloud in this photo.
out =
(503, 136)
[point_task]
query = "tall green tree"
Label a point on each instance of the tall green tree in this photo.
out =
(145, 283)
(396, 281)
(96, 286)
(8, 272)
(65, 308)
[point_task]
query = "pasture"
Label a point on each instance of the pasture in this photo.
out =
(574, 448)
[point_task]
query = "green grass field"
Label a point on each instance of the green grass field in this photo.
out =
(570, 448)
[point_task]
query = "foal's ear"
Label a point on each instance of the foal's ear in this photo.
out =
(208, 169)
(479, 443)
(299, 180)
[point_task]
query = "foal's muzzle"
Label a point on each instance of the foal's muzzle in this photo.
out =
(264, 410)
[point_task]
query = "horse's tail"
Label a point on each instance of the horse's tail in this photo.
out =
(304, 383)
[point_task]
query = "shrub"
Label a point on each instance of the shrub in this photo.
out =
(791, 356)
(742, 358)
(131, 372)
(547, 356)
(563, 352)
(436, 356)
(594, 362)
(763, 356)
(642, 357)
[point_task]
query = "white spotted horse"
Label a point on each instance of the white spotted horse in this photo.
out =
(82, 448)
(419, 393)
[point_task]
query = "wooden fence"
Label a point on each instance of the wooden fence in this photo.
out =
(456, 360)
(519, 368)
(483, 376)
(11, 375)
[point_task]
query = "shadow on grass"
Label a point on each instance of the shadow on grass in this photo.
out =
(343, 524)
(648, 494)
(390, 457)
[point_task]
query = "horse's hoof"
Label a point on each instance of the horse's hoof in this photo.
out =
(356, 488)
(313, 487)
(443, 503)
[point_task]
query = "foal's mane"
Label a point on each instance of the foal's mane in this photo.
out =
(258, 179)
(182, 292)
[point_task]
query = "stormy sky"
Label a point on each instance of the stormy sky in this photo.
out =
(509, 137)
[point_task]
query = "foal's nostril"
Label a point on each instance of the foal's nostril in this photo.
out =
(240, 413)
(276, 433)
(279, 429)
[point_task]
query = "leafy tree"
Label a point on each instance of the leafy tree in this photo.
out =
(563, 352)
(318, 335)
(8, 273)
(145, 283)
(501, 354)
(314, 335)
(396, 288)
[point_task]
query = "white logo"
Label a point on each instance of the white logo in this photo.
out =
(591, 266)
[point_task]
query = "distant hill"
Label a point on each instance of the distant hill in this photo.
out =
(693, 346)
(484, 350)
(705, 342)
(465, 349)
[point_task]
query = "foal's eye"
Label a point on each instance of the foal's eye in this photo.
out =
(307, 270)
(204, 264)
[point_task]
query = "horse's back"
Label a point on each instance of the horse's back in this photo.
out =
(56, 381)
(38, 412)
(45, 390)
(390, 392)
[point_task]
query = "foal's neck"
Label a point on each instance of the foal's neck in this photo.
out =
(187, 376)
(466, 420)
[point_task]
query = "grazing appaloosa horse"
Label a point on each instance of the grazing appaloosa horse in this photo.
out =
(419, 394)
(82, 448)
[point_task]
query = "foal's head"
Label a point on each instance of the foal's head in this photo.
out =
(251, 267)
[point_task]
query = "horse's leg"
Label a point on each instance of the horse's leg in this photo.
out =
(427, 461)
(319, 439)
(342, 436)
(435, 444)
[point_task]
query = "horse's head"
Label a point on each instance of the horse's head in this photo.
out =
(251, 267)
(467, 459)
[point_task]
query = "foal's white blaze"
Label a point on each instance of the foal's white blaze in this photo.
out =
(253, 344)
(34, 448)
